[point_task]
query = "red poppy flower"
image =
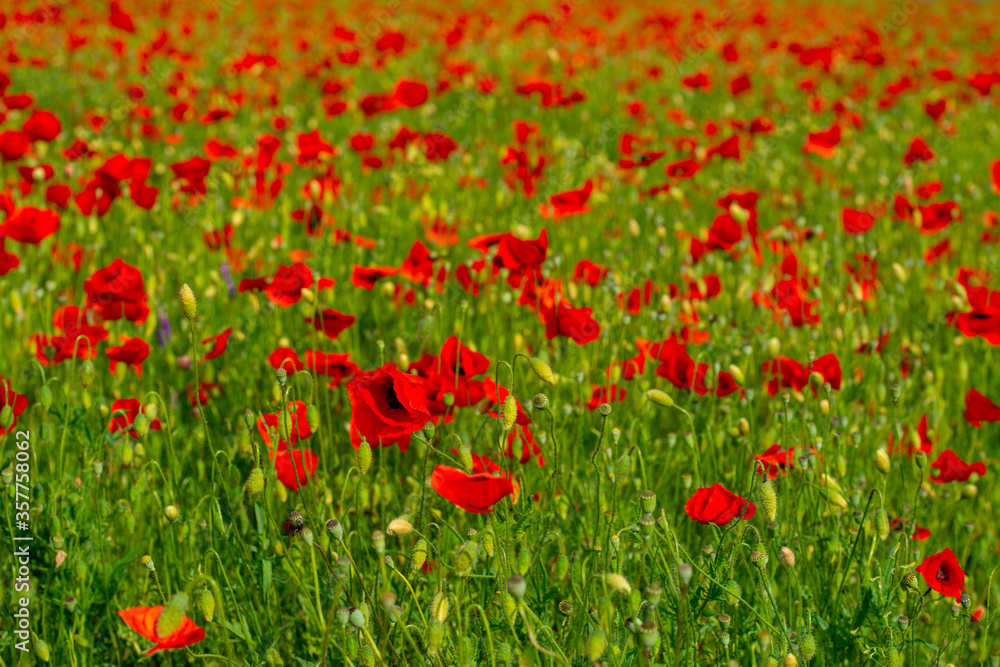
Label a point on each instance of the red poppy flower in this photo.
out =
(219, 343)
(122, 21)
(588, 272)
(117, 291)
(143, 620)
(776, 460)
(285, 289)
(571, 202)
(18, 403)
(297, 429)
(979, 408)
(365, 277)
(570, 322)
(919, 151)
(42, 126)
(857, 222)
(457, 360)
(718, 505)
(387, 406)
(331, 322)
(995, 176)
(13, 145)
(80, 336)
(953, 469)
(295, 467)
(207, 391)
(943, 574)
(31, 225)
(476, 493)
(824, 144)
(338, 367)
(132, 352)
(132, 408)
(285, 357)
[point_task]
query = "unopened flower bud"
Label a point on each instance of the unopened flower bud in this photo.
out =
(659, 397)
(881, 524)
(363, 457)
(206, 605)
(542, 371)
(509, 412)
(171, 512)
(399, 527)
(189, 306)
(768, 500)
(882, 461)
(255, 483)
(787, 557)
(87, 374)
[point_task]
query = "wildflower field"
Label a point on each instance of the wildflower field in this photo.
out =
(491, 333)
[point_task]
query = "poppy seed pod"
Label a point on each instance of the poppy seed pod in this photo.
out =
(542, 371)
(647, 500)
(189, 306)
(648, 525)
(654, 592)
(565, 607)
(517, 586)
(335, 529)
(920, 458)
(648, 635)
(295, 520)
(343, 615)
(759, 558)
(604, 409)
(147, 560)
(357, 618)
(540, 401)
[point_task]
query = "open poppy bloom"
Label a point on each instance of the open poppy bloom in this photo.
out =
(132, 408)
(387, 406)
(143, 620)
(943, 574)
(718, 505)
(18, 403)
(953, 469)
(979, 408)
(476, 493)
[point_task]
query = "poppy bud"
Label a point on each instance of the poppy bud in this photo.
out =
(733, 592)
(523, 560)
(787, 557)
(435, 635)
(366, 656)
(343, 615)
(562, 567)
(881, 524)
(617, 583)
(509, 412)
(399, 527)
(647, 499)
(189, 306)
(378, 542)
(465, 456)
(768, 500)
(466, 559)
(659, 397)
(419, 556)
(363, 457)
(255, 483)
(737, 374)
(597, 643)
(970, 491)
(509, 606)
(540, 401)
(6, 417)
(206, 605)
(685, 571)
(357, 618)
(790, 661)
(312, 417)
(172, 615)
(893, 658)
(773, 347)
(440, 607)
(172, 514)
(900, 272)
(87, 374)
(920, 458)
(486, 539)
(41, 649)
(744, 426)
(44, 397)
(565, 607)
(542, 371)
(807, 646)
(335, 529)
(248, 418)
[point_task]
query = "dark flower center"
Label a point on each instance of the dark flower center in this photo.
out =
(942, 574)
(391, 400)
